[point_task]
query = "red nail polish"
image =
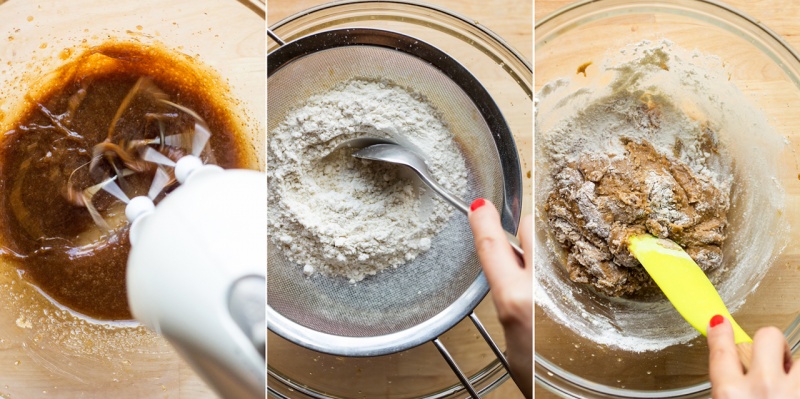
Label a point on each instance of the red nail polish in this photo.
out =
(477, 204)
(716, 320)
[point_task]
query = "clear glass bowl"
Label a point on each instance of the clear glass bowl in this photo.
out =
(44, 349)
(767, 71)
(296, 372)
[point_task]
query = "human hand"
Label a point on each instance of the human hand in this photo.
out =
(511, 284)
(771, 374)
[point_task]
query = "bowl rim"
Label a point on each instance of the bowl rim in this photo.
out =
(412, 3)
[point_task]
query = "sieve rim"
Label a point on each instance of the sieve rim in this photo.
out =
(510, 209)
(380, 344)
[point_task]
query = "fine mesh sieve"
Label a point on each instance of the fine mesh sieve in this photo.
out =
(416, 302)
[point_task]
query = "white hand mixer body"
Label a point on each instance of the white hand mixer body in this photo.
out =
(197, 273)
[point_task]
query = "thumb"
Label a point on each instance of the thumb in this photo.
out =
(723, 360)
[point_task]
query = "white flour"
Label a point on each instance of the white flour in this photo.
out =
(692, 92)
(334, 214)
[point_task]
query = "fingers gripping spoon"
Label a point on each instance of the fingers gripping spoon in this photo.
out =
(686, 287)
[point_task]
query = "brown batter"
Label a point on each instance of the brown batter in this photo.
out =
(45, 229)
(601, 200)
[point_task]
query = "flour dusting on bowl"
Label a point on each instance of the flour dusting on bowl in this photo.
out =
(682, 106)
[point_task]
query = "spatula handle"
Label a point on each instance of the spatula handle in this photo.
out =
(745, 352)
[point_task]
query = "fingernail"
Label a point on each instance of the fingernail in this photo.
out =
(716, 320)
(477, 204)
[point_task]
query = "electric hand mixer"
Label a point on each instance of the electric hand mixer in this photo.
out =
(196, 273)
(197, 266)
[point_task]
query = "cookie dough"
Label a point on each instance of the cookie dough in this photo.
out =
(602, 199)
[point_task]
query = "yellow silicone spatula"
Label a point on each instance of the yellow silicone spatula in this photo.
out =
(686, 286)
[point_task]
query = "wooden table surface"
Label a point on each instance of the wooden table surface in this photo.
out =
(510, 20)
(780, 16)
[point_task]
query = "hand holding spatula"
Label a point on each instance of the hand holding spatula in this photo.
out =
(686, 287)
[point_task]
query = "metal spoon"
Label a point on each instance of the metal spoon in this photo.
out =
(398, 154)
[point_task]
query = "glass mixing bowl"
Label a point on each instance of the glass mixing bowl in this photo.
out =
(45, 350)
(767, 73)
(296, 372)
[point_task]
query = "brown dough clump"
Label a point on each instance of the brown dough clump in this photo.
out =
(601, 200)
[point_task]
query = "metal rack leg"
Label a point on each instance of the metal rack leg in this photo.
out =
(275, 37)
(488, 338)
(449, 359)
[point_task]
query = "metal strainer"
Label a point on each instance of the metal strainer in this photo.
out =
(404, 307)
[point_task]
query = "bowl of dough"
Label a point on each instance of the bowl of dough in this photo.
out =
(667, 118)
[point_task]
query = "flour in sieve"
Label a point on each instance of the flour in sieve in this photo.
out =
(334, 214)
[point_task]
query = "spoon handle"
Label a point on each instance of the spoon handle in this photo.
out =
(514, 241)
(464, 208)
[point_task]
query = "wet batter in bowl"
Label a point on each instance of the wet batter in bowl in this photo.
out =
(81, 128)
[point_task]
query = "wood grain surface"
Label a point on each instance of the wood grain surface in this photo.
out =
(511, 20)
